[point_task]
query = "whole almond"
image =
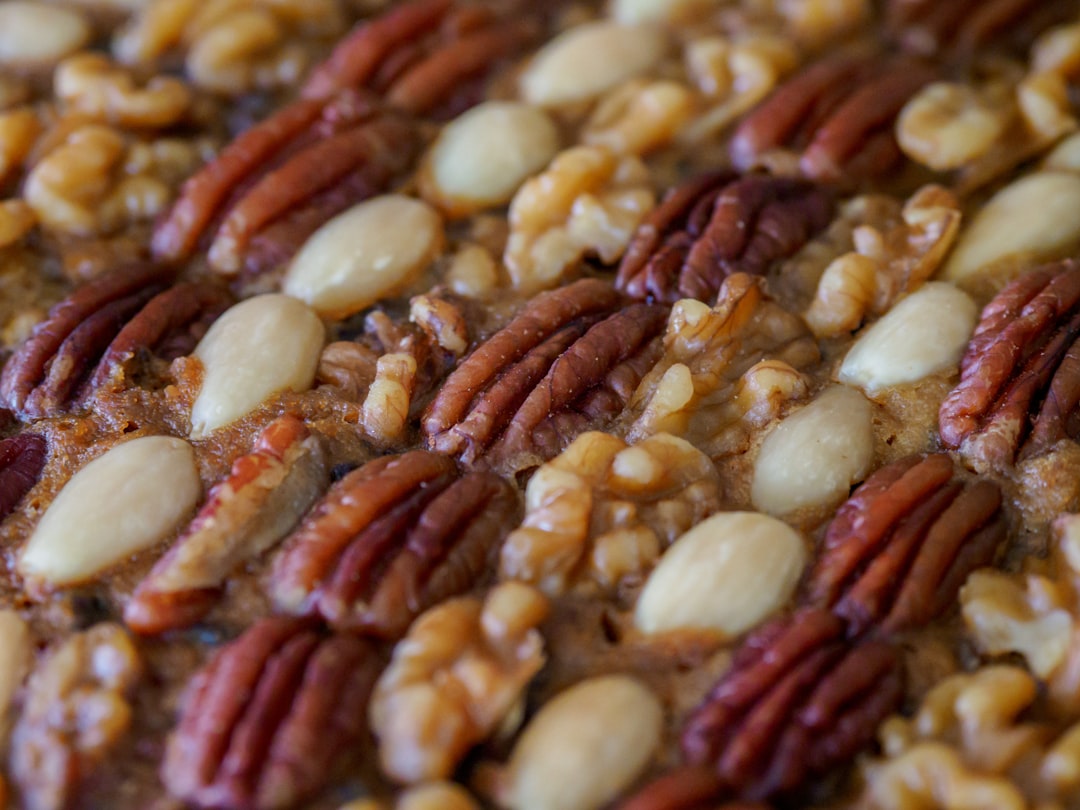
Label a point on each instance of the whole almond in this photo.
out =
(129, 499)
(814, 456)
(261, 346)
(726, 574)
(363, 254)
(39, 34)
(590, 59)
(925, 333)
(584, 747)
(481, 157)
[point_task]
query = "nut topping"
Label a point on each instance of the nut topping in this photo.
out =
(258, 503)
(1018, 388)
(836, 115)
(22, 458)
(716, 225)
(263, 724)
(390, 540)
(898, 551)
(570, 358)
(797, 702)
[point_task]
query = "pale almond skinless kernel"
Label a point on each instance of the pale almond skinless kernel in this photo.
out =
(259, 347)
(924, 333)
(39, 34)
(584, 747)
(1032, 219)
(481, 157)
(127, 500)
(814, 456)
(1065, 157)
(726, 574)
(363, 254)
(590, 59)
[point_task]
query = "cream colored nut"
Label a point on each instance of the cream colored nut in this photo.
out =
(814, 456)
(925, 333)
(588, 60)
(259, 347)
(584, 747)
(1033, 218)
(637, 11)
(39, 34)
(436, 796)
(481, 157)
(15, 642)
(1065, 157)
(948, 124)
(91, 83)
(363, 254)
(129, 499)
(931, 774)
(727, 574)
(815, 22)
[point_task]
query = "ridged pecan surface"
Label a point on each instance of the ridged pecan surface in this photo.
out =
(264, 722)
(716, 225)
(571, 358)
(391, 539)
(898, 551)
(1020, 377)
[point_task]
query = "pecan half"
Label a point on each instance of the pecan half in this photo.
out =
(276, 183)
(264, 723)
(571, 358)
(391, 539)
(423, 55)
(254, 507)
(96, 329)
(797, 702)
(22, 458)
(898, 551)
(1020, 377)
(836, 115)
(716, 225)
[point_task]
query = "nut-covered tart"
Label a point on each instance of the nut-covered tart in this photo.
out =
(567, 405)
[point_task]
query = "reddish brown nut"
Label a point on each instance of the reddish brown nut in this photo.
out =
(255, 506)
(100, 326)
(570, 359)
(22, 458)
(1020, 377)
(837, 115)
(275, 184)
(797, 702)
(423, 56)
(691, 787)
(716, 225)
(391, 539)
(898, 551)
(265, 722)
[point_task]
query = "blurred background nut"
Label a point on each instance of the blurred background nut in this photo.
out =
(76, 709)
(813, 457)
(257, 348)
(19, 130)
(588, 201)
(38, 35)
(583, 747)
(16, 643)
(481, 157)
(948, 124)
(639, 116)
(371, 250)
(126, 500)
(636, 11)
(587, 60)
(16, 220)
(429, 796)
(726, 574)
(925, 333)
(816, 22)
(455, 679)
(601, 512)
(92, 84)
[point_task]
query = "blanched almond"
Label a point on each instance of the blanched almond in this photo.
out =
(363, 254)
(1030, 220)
(588, 60)
(39, 34)
(726, 574)
(924, 333)
(129, 499)
(261, 346)
(584, 747)
(814, 456)
(481, 157)
(1065, 157)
